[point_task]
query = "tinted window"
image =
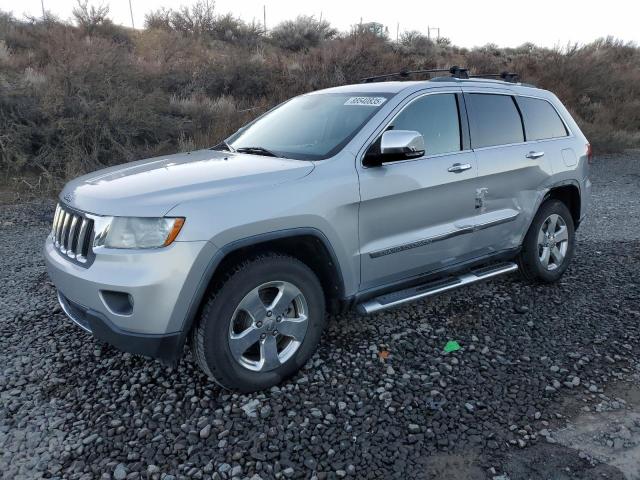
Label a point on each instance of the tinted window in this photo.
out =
(436, 118)
(495, 120)
(540, 119)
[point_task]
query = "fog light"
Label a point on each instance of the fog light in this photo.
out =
(118, 303)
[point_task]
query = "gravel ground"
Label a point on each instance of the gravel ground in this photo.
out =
(380, 399)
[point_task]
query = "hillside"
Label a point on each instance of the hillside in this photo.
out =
(77, 97)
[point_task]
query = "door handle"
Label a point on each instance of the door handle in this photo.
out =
(534, 155)
(458, 167)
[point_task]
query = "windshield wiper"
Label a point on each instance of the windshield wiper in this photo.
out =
(257, 151)
(223, 145)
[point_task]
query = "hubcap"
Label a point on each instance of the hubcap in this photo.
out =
(553, 242)
(268, 326)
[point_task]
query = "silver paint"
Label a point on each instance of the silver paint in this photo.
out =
(227, 197)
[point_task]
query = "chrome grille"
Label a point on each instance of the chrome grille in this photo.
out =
(71, 233)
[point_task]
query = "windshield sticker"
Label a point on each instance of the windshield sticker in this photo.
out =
(366, 101)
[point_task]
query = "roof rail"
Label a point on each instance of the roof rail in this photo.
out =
(505, 76)
(455, 71)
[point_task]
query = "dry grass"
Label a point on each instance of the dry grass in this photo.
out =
(77, 98)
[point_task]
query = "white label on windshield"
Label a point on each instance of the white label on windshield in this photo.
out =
(366, 101)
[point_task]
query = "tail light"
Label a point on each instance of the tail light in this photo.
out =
(589, 154)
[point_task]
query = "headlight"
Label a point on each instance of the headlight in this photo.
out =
(138, 232)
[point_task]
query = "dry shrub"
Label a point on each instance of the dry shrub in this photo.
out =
(77, 98)
(4, 52)
(90, 17)
(211, 119)
(200, 20)
(83, 109)
(302, 33)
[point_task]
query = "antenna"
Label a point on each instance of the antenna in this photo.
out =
(264, 17)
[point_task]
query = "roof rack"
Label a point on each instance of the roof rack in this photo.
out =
(455, 71)
(505, 76)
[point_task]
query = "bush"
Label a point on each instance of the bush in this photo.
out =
(232, 29)
(158, 20)
(91, 18)
(201, 21)
(74, 98)
(416, 40)
(198, 20)
(6, 23)
(83, 110)
(302, 33)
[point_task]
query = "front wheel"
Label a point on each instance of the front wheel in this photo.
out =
(548, 246)
(261, 324)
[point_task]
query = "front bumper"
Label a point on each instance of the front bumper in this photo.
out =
(165, 348)
(160, 284)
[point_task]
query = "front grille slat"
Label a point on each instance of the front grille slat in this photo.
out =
(56, 226)
(65, 232)
(82, 246)
(71, 234)
(59, 233)
(56, 218)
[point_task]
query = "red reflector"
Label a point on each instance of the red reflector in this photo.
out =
(589, 153)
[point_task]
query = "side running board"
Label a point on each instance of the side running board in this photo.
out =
(394, 299)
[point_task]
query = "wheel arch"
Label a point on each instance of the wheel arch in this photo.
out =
(566, 191)
(308, 245)
(569, 194)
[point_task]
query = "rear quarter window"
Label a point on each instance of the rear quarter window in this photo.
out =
(495, 120)
(541, 121)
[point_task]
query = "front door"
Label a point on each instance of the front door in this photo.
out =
(416, 215)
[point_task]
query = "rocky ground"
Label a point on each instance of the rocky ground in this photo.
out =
(546, 385)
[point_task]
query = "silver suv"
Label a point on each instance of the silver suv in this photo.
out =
(363, 196)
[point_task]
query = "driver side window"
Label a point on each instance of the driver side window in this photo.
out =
(436, 118)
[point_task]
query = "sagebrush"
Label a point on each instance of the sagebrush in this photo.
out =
(77, 97)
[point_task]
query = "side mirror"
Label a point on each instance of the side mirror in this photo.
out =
(397, 145)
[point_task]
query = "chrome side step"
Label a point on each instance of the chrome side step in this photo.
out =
(394, 299)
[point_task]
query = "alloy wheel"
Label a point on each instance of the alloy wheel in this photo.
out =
(553, 242)
(268, 326)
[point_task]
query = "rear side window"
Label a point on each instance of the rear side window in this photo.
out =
(495, 120)
(436, 118)
(541, 120)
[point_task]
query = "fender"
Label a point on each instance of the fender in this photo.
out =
(222, 252)
(547, 191)
(564, 183)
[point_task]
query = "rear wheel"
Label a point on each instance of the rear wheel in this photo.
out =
(548, 246)
(261, 324)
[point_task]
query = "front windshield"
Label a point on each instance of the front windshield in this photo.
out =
(309, 127)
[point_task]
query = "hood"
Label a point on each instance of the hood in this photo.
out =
(154, 186)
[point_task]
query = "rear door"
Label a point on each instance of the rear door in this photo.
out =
(414, 214)
(511, 171)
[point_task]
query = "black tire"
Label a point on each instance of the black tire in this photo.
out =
(210, 337)
(531, 266)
